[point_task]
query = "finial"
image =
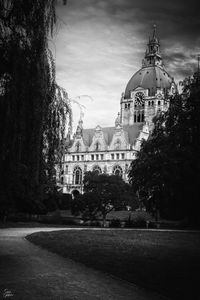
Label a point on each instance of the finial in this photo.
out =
(118, 121)
(154, 30)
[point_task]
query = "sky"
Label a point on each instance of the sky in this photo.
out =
(99, 44)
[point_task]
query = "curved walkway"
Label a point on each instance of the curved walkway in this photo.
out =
(29, 272)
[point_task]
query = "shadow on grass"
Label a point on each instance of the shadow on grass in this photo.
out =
(167, 262)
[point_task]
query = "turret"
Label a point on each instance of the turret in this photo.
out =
(153, 55)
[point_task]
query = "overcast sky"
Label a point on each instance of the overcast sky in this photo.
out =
(99, 45)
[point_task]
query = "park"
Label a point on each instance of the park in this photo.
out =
(93, 207)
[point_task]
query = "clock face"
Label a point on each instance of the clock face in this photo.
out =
(139, 98)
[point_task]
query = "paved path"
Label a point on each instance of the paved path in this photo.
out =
(30, 272)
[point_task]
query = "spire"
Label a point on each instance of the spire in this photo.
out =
(79, 128)
(117, 120)
(152, 55)
(154, 32)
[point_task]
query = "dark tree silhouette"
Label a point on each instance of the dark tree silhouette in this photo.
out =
(34, 111)
(102, 194)
(167, 169)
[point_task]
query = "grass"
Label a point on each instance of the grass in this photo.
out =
(28, 225)
(167, 262)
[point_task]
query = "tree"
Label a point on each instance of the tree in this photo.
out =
(166, 171)
(33, 109)
(102, 194)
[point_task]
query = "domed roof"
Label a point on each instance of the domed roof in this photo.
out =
(151, 78)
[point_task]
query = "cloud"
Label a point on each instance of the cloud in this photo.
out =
(99, 45)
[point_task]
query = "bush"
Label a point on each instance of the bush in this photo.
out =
(92, 223)
(138, 219)
(65, 201)
(116, 223)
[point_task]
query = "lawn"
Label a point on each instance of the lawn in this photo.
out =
(167, 262)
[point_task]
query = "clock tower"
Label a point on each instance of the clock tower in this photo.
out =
(148, 89)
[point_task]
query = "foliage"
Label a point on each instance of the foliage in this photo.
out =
(102, 193)
(115, 223)
(86, 205)
(165, 174)
(33, 110)
(138, 219)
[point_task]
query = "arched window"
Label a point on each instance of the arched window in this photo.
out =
(142, 116)
(138, 117)
(135, 118)
(75, 193)
(97, 170)
(97, 146)
(117, 170)
(77, 175)
(62, 177)
(78, 147)
(117, 144)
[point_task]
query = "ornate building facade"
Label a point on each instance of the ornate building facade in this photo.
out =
(111, 149)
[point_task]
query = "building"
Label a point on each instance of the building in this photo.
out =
(111, 149)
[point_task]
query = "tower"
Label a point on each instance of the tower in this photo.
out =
(147, 90)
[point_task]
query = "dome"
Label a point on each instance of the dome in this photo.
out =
(151, 78)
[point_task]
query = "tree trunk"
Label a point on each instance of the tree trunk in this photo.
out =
(104, 221)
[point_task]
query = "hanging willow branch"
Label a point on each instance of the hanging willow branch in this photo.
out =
(35, 114)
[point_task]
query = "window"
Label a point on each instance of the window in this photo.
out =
(101, 156)
(62, 177)
(97, 156)
(92, 157)
(78, 147)
(158, 102)
(66, 169)
(77, 175)
(97, 146)
(112, 156)
(82, 157)
(135, 117)
(117, 144)
(73, 157)
(139, 116)
(97, 170)
(77, 157)
(117, 170)
(122, 155)
(143, 116)
(117, 155)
